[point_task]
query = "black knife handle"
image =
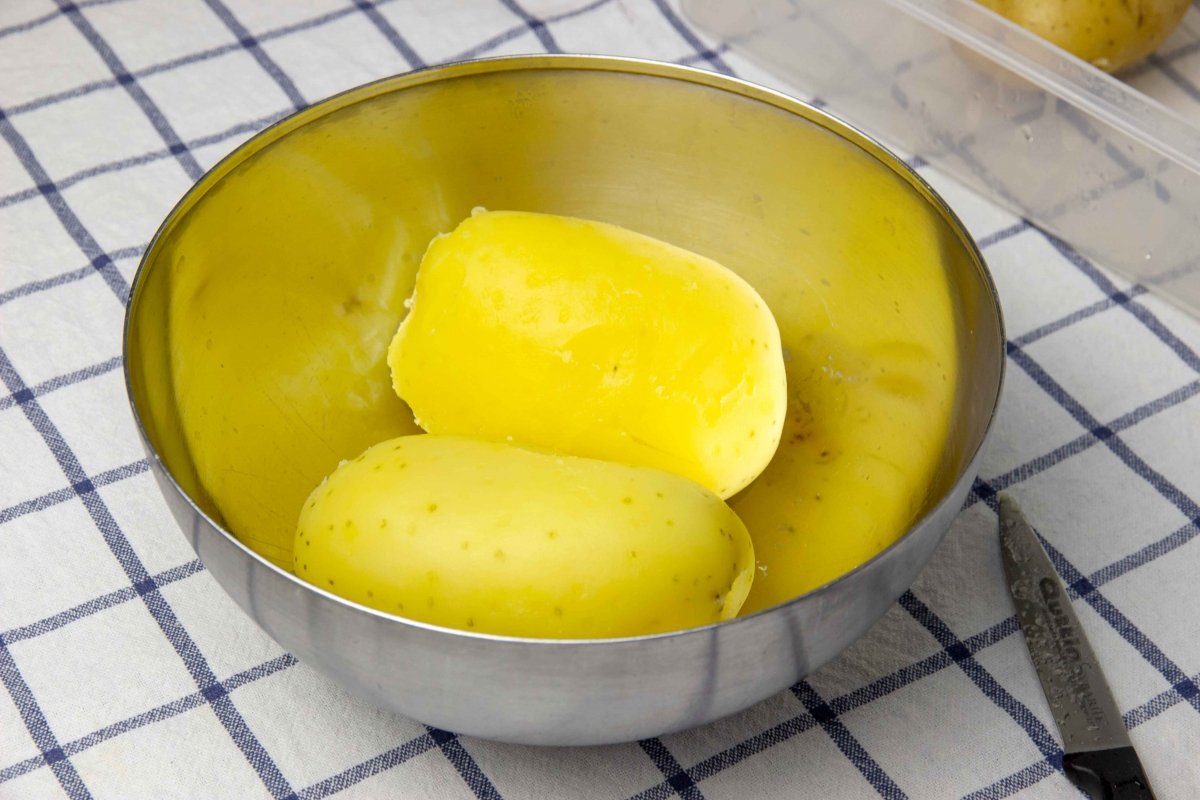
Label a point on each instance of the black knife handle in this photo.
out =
(1114, 774)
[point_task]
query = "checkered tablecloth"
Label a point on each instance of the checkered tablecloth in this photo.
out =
(126, 671)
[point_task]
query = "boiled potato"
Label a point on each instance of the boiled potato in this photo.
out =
(494, 538)
(1109, 34)
(589, 339)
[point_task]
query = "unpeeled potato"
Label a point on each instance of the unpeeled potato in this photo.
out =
(498, 539)
(590, 339)
(1109, 34)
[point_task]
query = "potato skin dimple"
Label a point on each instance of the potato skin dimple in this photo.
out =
(493, 538)
(589, 339)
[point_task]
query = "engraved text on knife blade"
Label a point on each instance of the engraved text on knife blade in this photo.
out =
(1075, 689)
(1072, 668)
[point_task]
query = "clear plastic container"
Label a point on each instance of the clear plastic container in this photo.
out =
(1111, 166)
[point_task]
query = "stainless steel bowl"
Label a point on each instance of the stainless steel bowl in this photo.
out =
(253, 354)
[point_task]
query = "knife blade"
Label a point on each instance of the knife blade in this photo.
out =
(1098, 755)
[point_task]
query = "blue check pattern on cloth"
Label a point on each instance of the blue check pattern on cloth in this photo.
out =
(127, 673)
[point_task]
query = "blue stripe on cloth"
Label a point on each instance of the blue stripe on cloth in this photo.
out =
(1088, 131)
(1132, 172)
(193, 58)
(251, 45)
(46, 283)
(39, 729)
(69, 492)
(677, 778)
(990, 636)
(96, 604)
(165, 711)
(1145, 555)
(694, 58)
(534, 24)
(1140, 312)
(512, 33)
(732, 756)
(1164, 487)
(252, 126)
(847, 743)
(1161, 702)
(217, 695)
(693, 41)
(155, 603)
(66, 94)
(1143, 315)
(62, 380)
(1181, 81)
(174, 708)
(1028, 116)
(29, 25)
(464, 763)
(886, 684)
(1168, 56)
(101, 262)
(659, 791)
(67, 277)
(962, 150)
(369, 768)
(1084, 441)
(983, 492)
(1019, 781)
(1042, 331)
(983, 679)
(190, 167)
(391, 34)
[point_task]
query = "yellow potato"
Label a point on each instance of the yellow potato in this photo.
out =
(1109, 34)
(589, 339)
(493, 538)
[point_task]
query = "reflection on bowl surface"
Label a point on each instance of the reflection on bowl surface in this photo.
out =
(257, 335)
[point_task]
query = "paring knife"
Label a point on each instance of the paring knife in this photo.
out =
(1099, 758)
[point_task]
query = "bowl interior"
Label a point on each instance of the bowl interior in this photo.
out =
(263, 310)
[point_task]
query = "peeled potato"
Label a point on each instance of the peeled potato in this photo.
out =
(589, 339)
(498, 539)
(1109, 34)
